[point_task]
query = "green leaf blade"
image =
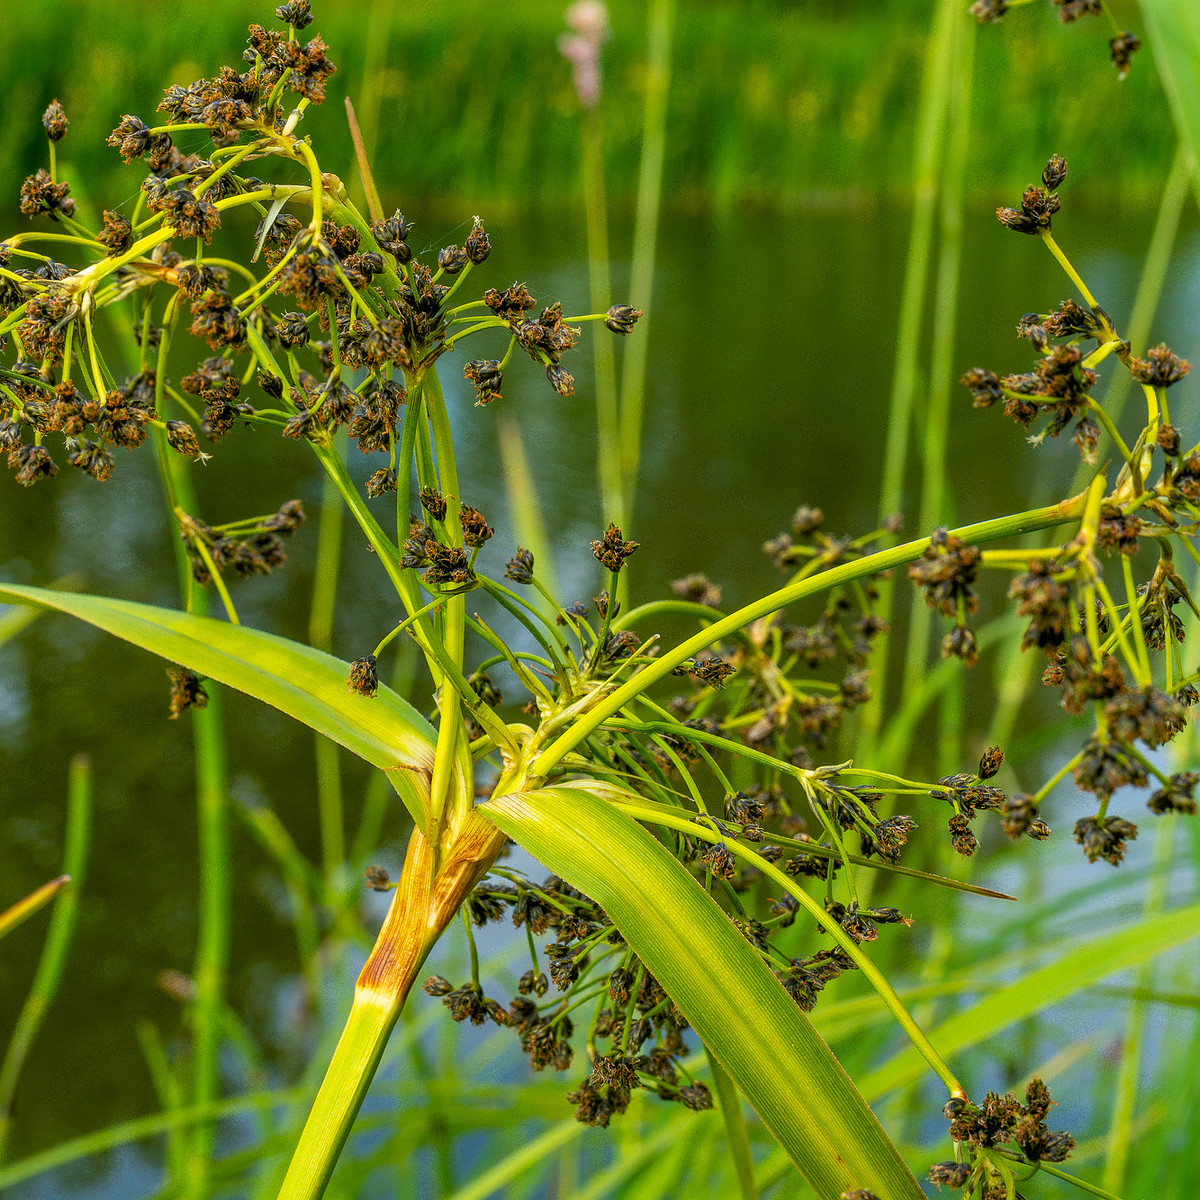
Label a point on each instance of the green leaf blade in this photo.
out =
(304, 683)
(746, 1020)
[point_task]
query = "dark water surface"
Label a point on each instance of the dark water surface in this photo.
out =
(772, 343)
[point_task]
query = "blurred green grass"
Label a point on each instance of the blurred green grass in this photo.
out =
(773, 104)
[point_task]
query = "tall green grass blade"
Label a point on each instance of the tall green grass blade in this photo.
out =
(729, 1101)
(931, 121)
(304, 683)
(935, 502)
(1125, 1090)
(645, 239)
(25, 908)
(1070, 972)
(513, 1166)
(212, 946)
(320, 637)
(170, 1099)
(528, 521)
(53, 959)
(732, 1000)
(1173, 31)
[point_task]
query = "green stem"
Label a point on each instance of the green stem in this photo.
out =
(608, 424)
(645, 239)
(935, 100)
(58, 940)
(320, 636)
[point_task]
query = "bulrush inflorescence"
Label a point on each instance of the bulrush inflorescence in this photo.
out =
(1120, 657)
(324, 326)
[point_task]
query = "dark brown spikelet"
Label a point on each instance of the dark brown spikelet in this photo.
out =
(477, 247)
(1178, 795)
(990, 762)
(699, 589)
(191, 216)
(950, 1174)
(1160, 368)
(988, 10)
(476, 531)
(380, 482)
(364, 678)
(186, 691)
(621, 318)
(519, 568)
(377, 879)
(485, 374)
(1054, 172)
(434, 503)
(40, 194)
(181, 437)
(1122, 48)
(132, 138)
(984, 387)
(295, 13)
(961, 837)
(945, 573)
(1104, 837)
(117, 234)
(612, 550)
(1073, 10)
(54, 121)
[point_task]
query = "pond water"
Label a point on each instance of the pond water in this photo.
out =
(771, 352)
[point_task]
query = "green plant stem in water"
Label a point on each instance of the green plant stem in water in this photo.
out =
(645, 240)
(1125, 1091)
(58, 940)
(935, 100)
(729, 1101)
(212, 948)
(320, 637)
(429, 895)
(934, 499)
(608, 427)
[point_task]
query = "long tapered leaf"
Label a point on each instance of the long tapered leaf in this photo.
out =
(304, 683)
(746, 1020)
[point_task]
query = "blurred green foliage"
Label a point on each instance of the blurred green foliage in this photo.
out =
(774, 103)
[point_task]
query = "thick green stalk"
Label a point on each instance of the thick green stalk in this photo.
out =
(451, 743)
(58, 940)
(426, 901)
(871, 564)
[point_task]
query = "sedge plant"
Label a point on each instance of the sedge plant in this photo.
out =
(686, 797)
